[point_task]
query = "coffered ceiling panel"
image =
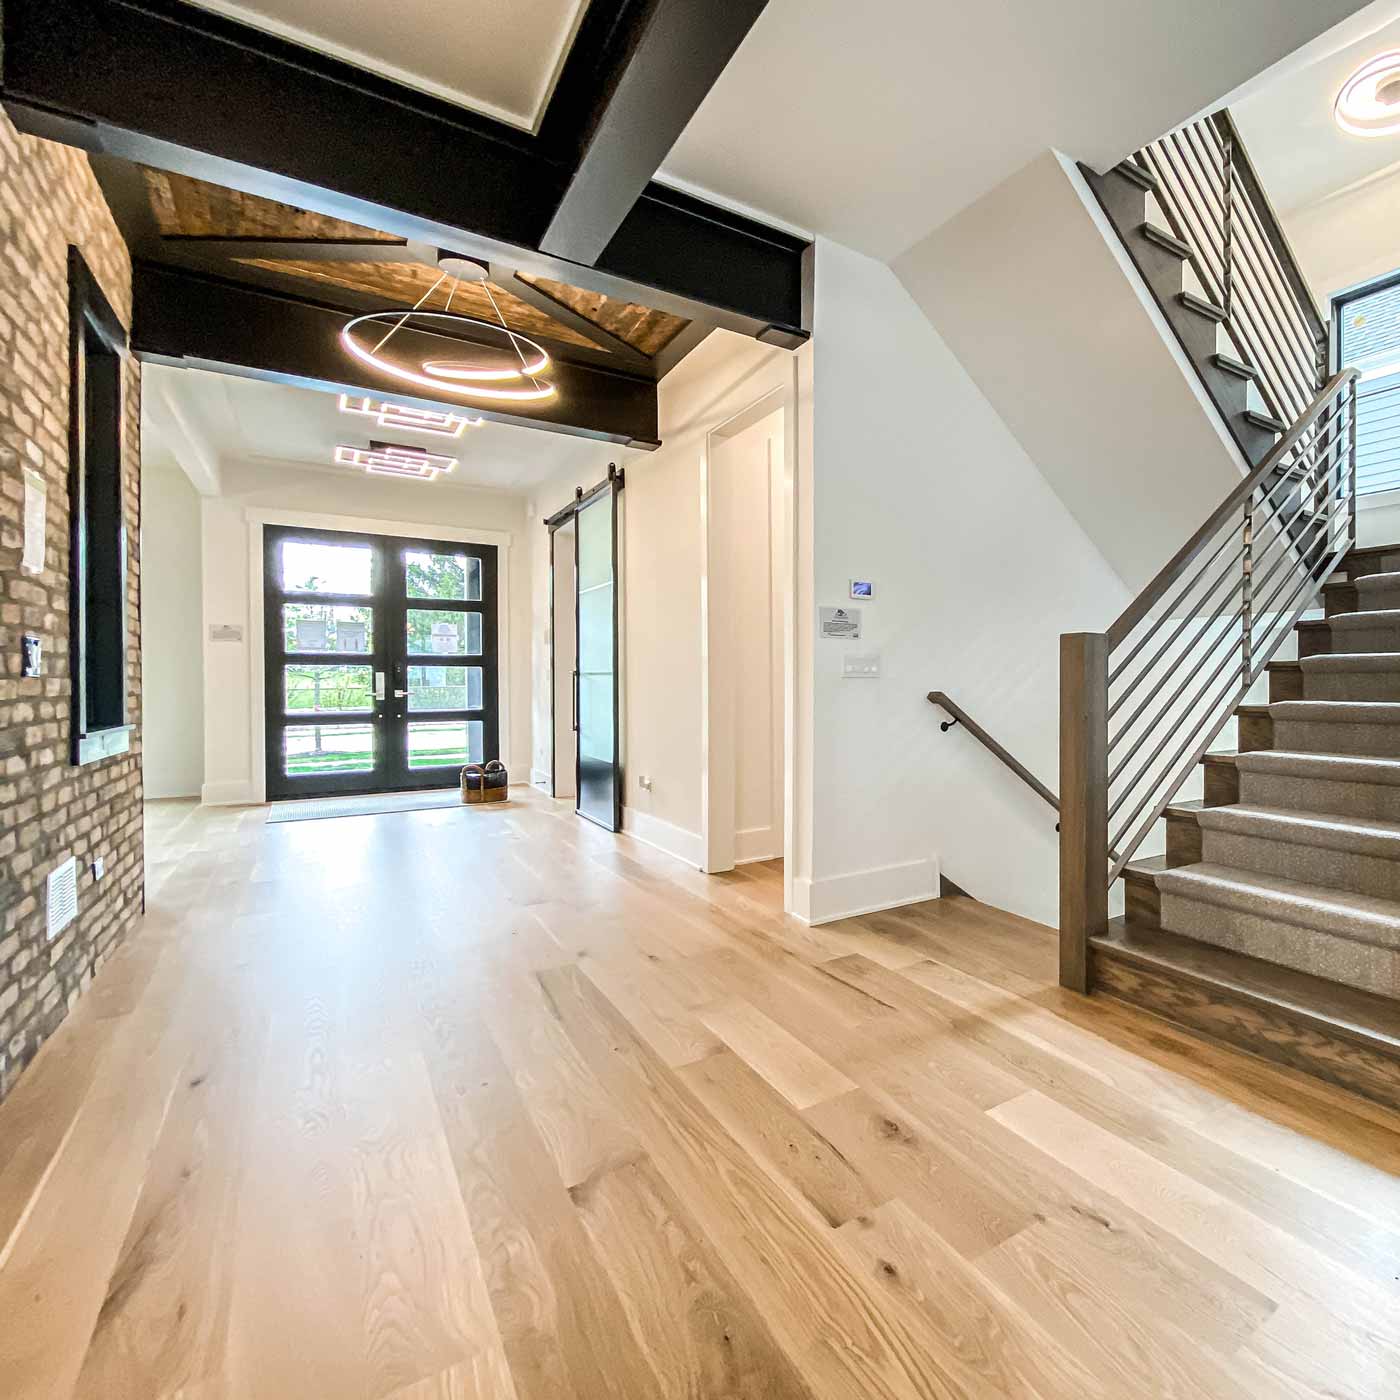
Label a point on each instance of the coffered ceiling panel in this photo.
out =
(186, 208)
(640, 326)
(498, 59)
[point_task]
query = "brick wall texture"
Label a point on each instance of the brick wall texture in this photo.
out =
(50, 809)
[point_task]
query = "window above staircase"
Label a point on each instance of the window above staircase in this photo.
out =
(1368, 331)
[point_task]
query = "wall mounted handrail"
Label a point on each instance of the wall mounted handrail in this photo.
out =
(961, 716)
(1187, 650)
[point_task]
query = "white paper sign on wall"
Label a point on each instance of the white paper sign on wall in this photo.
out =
(350, 636)
(310, 634)
(36, 510)
(840, 623)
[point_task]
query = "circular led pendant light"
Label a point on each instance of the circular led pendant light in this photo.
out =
(1369, 102)
(458, 376)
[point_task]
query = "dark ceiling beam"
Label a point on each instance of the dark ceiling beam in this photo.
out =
(678, 347)
(181, 317)
(171, 85)
(678, 52)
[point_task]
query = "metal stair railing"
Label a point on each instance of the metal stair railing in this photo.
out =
(1141, 703)
(1213, 201)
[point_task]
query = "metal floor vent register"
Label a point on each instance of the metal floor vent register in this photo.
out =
(62, 896)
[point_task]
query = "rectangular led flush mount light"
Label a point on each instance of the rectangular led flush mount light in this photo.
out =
(395, 459)
(403, 415)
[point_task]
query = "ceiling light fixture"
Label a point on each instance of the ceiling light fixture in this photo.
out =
(469, 378)
(395, 459)
(1369, 102)
(402, 415)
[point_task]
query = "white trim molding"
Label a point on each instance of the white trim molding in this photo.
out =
(865, 891)
(663, 836)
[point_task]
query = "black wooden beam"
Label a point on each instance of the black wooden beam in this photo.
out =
(677, 53)
(171, 85)
(183, 317)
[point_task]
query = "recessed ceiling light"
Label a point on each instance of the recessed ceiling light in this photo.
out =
(395, 459)
(403, 415)
(1369, 102)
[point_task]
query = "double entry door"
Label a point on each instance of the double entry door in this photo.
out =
(380, 659)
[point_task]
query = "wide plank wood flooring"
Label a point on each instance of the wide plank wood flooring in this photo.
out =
(494, 1104)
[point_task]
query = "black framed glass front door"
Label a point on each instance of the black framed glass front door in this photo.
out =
(380, 661)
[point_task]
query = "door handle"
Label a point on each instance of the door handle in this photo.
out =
(399, 694)
(379, 685)
(575, 726)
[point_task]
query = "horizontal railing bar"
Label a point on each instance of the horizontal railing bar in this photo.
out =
(1256, 263)
(1186, 616)
(1294, 475)
(1140, 606)
(1209, 723)
(1131, 785)
(1223, 125)
(1147, 670)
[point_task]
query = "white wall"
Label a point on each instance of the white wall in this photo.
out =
(1035, 296)
(1350, 238)
(232, 768)
(662, 570)
(915, 482)
(172, 702)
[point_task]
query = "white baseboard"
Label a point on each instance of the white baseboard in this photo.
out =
(864, 891)
(674, 840)
(756, 843)
(238, 793)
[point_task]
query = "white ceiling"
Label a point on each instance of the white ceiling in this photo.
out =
(499, 59)
(873, 124)
(1302, 155)
(247, 420)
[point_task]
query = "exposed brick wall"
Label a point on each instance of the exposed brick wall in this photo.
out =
(49, 809)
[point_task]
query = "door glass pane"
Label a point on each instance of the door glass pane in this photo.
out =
(329, 748)
(597, 664)
(435, 633)
(312, 567)
(454, 576)
(444, 687)
(445, 743)
(327, 690)
(321, 627)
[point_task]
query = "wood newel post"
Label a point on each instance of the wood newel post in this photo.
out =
(1083, 801)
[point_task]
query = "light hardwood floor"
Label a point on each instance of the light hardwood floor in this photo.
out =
(494, 1104)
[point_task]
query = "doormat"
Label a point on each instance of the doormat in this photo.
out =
(375, 805)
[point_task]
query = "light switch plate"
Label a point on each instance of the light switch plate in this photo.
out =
(862, 668)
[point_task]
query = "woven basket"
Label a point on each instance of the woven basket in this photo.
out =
(485, 782)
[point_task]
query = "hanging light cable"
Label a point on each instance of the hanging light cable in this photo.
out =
(460, 377)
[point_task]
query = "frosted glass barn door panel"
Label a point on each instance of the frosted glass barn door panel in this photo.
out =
(599, 790)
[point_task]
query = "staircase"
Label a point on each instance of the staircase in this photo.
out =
(1193, 217)
(1272, 919)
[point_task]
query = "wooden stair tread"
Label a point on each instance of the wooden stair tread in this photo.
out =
(1336, 1009)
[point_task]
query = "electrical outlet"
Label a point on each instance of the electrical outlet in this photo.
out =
(644, 782)
(99, 867)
